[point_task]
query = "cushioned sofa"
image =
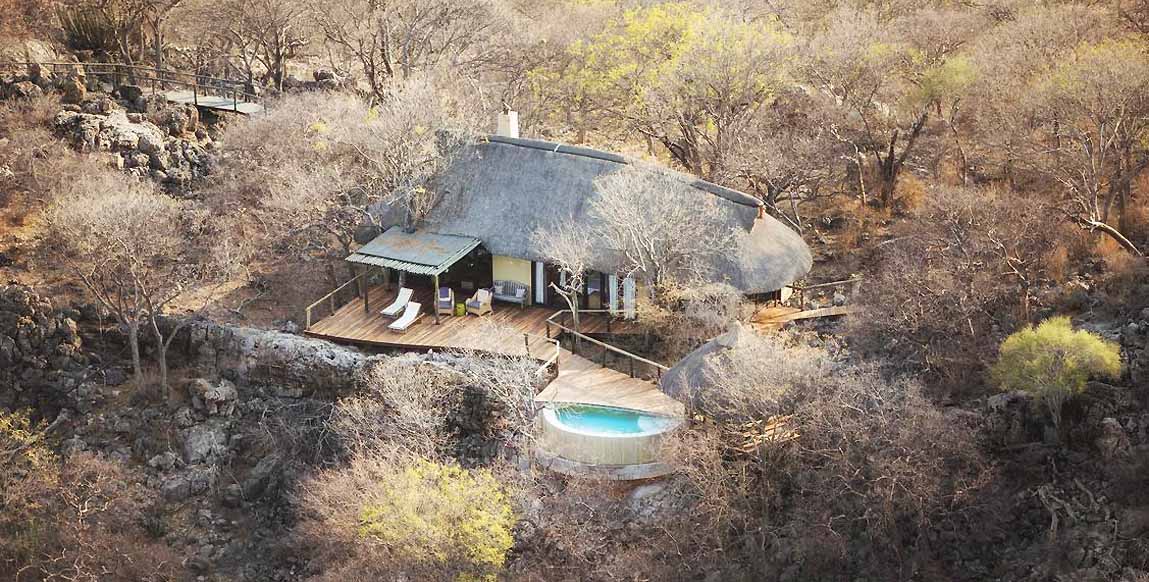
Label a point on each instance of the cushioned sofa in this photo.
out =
(511, 292)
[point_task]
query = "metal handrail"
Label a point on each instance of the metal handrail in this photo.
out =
(801, 289)
(547, 363)
(235, 89)
(330, 297)
(659, 368)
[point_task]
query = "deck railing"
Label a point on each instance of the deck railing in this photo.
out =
(549, 363)
(801, 289)
(601, 358)
(331, 300)
(157, 79)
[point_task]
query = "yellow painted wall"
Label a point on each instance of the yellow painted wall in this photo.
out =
(511, 269)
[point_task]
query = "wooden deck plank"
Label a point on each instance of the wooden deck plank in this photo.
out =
(578, 379)
(501, 331)
(583, 381)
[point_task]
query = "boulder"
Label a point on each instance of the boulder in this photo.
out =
(73, 90)
(205, 443)
(214, 399)
(131, 93)
(263, 476)
(24, 90)
(164, 461)
(193, 482)
(1112, 442)
(151, 142)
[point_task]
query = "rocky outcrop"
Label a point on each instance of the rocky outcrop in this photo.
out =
(42, 362)
(137, 145)
(291, 366)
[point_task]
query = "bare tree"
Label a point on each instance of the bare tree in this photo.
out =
(390, 40)
(966, 268)
(252, 37)
(569, 246)
(781, 156)
(316, 166)
(665, 236)
(884, 91)
(1093, 115)
(414, 132)
(130, 246)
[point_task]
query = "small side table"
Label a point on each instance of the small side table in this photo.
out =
(460, 309)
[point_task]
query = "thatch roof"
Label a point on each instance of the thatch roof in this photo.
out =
(503, 189)
(691, 379)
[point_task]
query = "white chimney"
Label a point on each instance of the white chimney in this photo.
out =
(508, 124)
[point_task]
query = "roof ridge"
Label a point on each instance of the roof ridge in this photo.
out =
(728, 194)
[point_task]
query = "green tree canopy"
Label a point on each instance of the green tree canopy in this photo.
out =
(1053, 362)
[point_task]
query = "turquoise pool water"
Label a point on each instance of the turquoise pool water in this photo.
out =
(611, 421)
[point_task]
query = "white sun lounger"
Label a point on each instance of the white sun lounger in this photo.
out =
(400, 302)
(410, 316)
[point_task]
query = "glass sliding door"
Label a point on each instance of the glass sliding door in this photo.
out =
(595, 292)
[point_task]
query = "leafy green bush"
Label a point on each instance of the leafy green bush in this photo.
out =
(445, 514)
(384, 517)
(1053, 362)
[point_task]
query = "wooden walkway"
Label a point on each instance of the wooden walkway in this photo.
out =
(775, 318)
(583, 381)
(213, 102)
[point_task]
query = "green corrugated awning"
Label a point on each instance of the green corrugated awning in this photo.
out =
(421, 253)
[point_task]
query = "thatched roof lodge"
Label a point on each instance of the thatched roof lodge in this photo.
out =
(502, 189)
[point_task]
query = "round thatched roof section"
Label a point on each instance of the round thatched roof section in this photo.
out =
(502, 190)
(692, 379)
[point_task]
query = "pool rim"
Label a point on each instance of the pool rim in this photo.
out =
(551, 417)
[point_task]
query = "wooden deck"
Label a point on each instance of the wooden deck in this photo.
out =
(583, 381)
(501, 331)
(510, 330)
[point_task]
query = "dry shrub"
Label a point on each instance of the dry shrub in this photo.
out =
(21, 19)
(960, 275)
(411, 406)
(404, 517)
(74, 519)
(910, 194)
(686, 316)
(572, 533)
(1115, 258)
(861, 223)
(1057, 263)
(38, 162)
(874, 465)
(1126, 283)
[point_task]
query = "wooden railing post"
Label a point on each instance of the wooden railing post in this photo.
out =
(308, 318)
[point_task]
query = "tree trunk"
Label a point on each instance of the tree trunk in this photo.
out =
(161, 356)
(134, 345)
